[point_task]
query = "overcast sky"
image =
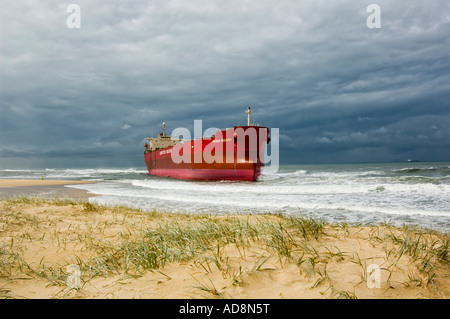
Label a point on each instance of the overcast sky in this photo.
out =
(338, 90)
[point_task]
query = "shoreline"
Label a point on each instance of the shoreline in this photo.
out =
(127, 253)
(43, 188)
(16, 182)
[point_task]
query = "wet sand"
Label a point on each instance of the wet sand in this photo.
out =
(43, 188)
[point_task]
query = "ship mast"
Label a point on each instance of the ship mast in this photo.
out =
(164, 129)
(249, 111)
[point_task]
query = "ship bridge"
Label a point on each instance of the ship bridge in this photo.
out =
(160, 142)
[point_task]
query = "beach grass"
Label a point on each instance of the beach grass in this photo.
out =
(128, 253)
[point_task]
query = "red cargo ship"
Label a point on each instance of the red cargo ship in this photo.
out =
(232, 154)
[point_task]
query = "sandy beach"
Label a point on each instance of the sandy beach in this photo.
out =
(65, 248)
(38, 182)
(42, 188)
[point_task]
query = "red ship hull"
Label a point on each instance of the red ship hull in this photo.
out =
(230, 155)
(209, 174)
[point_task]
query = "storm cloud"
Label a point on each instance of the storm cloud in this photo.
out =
(338, 90)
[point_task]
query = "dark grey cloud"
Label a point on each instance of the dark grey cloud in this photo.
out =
(337, 90)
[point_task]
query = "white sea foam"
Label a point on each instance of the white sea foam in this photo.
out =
(417, 194)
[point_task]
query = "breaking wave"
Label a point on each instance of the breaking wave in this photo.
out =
(416, 193)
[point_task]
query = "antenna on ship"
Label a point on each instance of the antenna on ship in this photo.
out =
(164, 129)
(249, 111)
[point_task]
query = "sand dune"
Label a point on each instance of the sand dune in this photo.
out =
(125, 253)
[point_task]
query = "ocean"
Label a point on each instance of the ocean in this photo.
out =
(415, 193)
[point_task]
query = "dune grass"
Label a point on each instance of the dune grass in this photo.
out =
(135, 242)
